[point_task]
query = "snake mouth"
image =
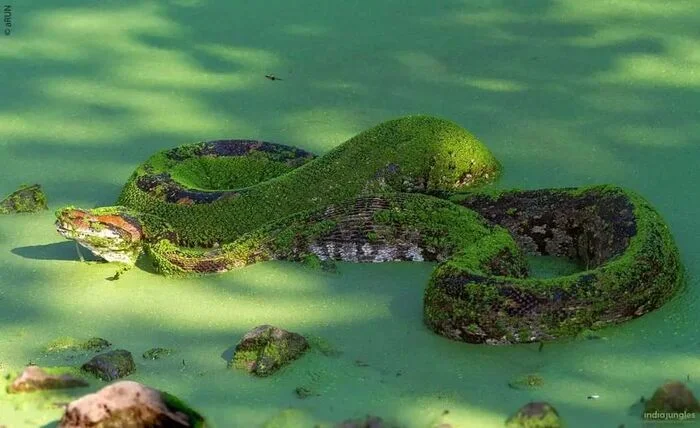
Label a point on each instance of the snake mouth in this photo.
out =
(63, 229)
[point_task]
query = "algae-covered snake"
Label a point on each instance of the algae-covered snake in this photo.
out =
(406, 189)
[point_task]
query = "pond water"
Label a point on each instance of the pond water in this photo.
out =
(564, 93)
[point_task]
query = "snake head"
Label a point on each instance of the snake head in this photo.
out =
(114, 234)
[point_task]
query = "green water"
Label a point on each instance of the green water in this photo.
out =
(564, 93)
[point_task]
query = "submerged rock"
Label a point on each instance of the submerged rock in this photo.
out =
(129, 404)
(672, 397)
(156, 353)
(305, 392)
(111, 365)
(26, 199)
(35, 378)
(528, 381)
(535, 415)
(265, 349)
(71, 344)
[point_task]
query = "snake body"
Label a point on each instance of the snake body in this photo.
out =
(407, 189)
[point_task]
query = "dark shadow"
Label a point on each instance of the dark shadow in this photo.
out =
(227, 355)
(56, 251)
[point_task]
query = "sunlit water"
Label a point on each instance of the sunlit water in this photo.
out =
(564, 93)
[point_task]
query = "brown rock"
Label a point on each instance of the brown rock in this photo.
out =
(672, 397)
(128, 404)
(34, 378)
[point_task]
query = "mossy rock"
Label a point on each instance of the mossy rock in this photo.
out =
(157, 353)
(633, 267)
(26, 199)
(265, 349)
(111, 365)
(71, 344)
(535, 415)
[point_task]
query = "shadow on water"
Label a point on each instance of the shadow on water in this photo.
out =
(55, 251)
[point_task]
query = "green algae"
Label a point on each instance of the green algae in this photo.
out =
(432, 153)
(157, 353)
(71, 344)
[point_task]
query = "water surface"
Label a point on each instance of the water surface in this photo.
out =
(564, 93)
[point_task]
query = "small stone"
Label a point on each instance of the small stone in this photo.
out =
(535, 415)
(672, 397)
(303, 392)
(34, 378)
(26, 199)
(265, 349)
(111, 365)
(156, 353)
(129, 404)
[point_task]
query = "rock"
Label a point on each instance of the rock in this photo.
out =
(34, 378)
(304, 392)
(26, 199)
(672, 397)
(129, 404)
(111, 365)
(367, 422)
(535, 415)
(528, 381)
(156, 353)
(70, 344)
(265, 349)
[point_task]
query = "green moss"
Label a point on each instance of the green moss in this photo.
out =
(266, 353)
(642, 278)
(156, 353)
(431, 151)
(312, 261)
(222, 173)
(71, 344)
(26, 199)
